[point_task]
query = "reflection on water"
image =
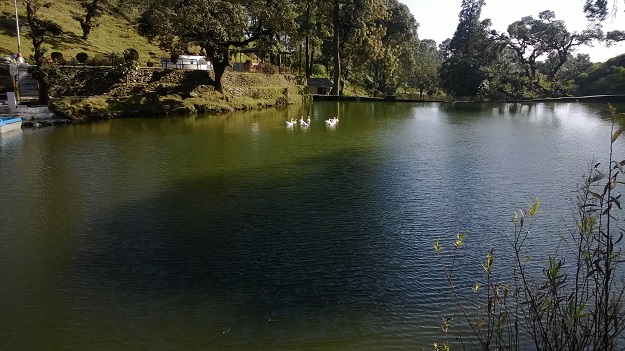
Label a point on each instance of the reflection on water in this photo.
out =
(233, 232)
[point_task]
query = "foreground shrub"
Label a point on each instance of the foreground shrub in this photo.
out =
(577, 301)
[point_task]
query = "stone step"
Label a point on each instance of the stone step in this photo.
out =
(28, 85)
(35, 116)
(32, 109)
(29, 113)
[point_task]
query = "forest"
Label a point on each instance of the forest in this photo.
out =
(374, 44)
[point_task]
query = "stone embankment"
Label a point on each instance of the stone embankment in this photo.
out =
(99, 93)
(33, 116)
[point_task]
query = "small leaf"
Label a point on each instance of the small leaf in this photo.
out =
(534, 208)
(596, 177)
(619, 165)
(618, 204)
(459, 239)
(619, 239)
(437, 246)
(616, 134)
(595, 195)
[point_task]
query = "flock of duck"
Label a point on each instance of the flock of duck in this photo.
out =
(305, 123)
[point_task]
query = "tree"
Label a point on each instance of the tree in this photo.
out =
(597, 11)
(471, 50)
(571, 69)
(40, 28)
(603, 78)
(533, 38)
(354, 27)
(443, 49)
(312, 29)
(215, 26)
(93, 10)
(424, 76)
(397, 38)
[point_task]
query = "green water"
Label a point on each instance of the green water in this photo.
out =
(234, 232)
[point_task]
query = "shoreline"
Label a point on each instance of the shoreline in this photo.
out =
(589, 98)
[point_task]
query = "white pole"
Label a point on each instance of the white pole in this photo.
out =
(17, 25)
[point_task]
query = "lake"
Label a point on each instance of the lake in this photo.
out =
(234, 232)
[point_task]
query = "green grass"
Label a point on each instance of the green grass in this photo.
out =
(113, 34)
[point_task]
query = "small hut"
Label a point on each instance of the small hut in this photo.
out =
(319, 86)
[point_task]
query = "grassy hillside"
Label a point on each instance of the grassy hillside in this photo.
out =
(114, 33)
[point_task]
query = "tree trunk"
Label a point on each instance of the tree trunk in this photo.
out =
(219, 68)
(40, 73)
(337, 57)
(44, 90)
(86, 28)
(307, 57)
(311, 62)
(220, 63)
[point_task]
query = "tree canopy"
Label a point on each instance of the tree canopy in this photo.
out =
(535, 38)
(369, 44)
(471, 50)
(215, 26)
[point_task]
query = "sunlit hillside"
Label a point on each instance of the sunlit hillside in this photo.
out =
(114, 33)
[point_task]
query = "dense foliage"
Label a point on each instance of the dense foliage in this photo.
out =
(603, 78)
(370, 44)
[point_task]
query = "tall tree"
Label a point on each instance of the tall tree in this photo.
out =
(425, 74)
(40, 29)
(533, 38)
(353, 23)
(471, 50)
(312, 29)
(336, 47)
(397, 36)
(215, 26)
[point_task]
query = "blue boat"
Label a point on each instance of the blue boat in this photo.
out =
(8, 124)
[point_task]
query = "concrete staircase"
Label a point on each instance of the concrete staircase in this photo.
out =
(28, 85)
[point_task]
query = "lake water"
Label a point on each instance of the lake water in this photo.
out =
(234, 232)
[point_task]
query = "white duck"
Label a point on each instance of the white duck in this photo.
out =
(291, 123)
(304, 123)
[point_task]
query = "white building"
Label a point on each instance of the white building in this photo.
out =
(188, 62)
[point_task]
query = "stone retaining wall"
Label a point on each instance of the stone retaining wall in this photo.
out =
(93, 81)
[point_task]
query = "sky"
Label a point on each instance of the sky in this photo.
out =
(438, 19)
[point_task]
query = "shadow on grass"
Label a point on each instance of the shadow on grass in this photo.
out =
(65, 41)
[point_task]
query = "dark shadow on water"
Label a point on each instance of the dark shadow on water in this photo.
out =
(271, 245)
